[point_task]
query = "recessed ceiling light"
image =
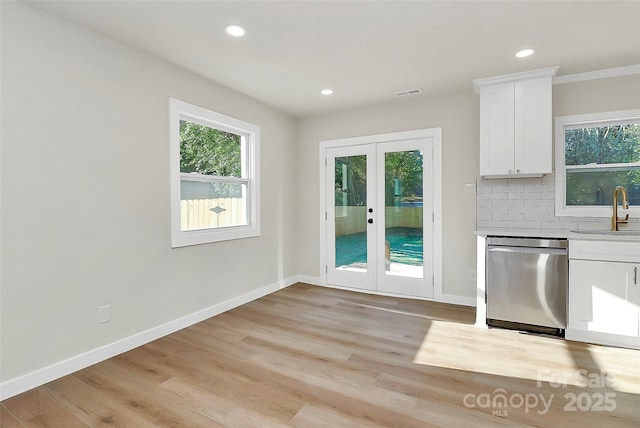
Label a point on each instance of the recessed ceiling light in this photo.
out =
(326, 91)
(235, 30)
(524, 53)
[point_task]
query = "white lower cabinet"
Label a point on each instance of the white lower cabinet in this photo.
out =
(604, 293)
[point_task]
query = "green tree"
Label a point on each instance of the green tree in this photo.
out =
(407, 168)
(615, 144)
(355, 168)
(602, 145)
(209, 151)
(403, 166)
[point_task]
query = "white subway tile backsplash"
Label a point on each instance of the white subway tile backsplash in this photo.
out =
(508, 203)
(583, 219)
(491, 224)
(528, 203)
(539, 203)
(563, 225)
(484, 187)
(508, 217)
(492, 196)
(541, 217)
(492, 210)
(508, 189)
(549, 195)
(525, 195)
(525, 225)
(484, 203)
(524, 181)
(540, 188)
(594, 224)
(517, 210)
(497, 182)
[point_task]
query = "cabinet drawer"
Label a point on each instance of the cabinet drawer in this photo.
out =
(605, 250)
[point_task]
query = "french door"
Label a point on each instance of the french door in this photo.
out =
(379, 231)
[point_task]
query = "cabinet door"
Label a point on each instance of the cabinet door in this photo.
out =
(496, 129)
(603, 297)
(533, 118)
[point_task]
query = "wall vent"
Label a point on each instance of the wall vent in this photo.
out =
(408, 92)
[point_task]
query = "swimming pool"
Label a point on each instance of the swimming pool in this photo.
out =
(405, 244)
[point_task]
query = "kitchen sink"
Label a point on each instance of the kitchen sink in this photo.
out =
(608, 232)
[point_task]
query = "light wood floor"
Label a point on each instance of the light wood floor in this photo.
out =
(317, 357)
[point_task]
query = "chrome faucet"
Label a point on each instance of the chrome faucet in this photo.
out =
(615, 220)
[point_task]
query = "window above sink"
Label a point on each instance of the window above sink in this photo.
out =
(594, 154)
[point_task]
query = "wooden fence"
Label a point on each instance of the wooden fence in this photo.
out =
(223, 212)
(210, 213)
(354, 219)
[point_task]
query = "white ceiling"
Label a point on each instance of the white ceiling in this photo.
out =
(364, 50)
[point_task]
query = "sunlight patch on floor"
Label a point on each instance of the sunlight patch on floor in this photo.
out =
(511, 354)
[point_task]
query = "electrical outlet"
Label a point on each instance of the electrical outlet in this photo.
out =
(470, 189)
(472, 275)
(104, 314)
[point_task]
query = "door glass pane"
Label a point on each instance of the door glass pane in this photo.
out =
(403, 213)
(351, 212)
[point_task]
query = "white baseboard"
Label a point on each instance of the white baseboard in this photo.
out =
(445, 298)
(454, 299)
(299, 278)
(308, 279)
(47, 374)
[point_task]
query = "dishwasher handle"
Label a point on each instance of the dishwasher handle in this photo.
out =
(527, 242)
(527, 250)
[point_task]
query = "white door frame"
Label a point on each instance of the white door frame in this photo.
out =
(436, 135)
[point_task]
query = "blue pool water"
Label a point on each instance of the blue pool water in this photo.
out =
(405, 242)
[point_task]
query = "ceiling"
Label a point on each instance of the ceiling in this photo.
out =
(365, 51)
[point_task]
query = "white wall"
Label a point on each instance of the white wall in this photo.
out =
(596, 96)
(85, 195)
(458, 115)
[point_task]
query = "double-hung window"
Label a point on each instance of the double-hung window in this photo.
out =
(214, 176)
(595, 153)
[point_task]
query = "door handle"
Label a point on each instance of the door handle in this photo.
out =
(370, 221)
(635, 275)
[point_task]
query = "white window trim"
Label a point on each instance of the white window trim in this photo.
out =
(574, 121)
(181, 110)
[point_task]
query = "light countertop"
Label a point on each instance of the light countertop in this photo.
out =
(559, 233)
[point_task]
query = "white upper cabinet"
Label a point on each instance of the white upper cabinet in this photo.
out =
(497, 112)
(516, 124)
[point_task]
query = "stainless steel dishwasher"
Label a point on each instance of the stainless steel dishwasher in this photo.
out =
(527, 281)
